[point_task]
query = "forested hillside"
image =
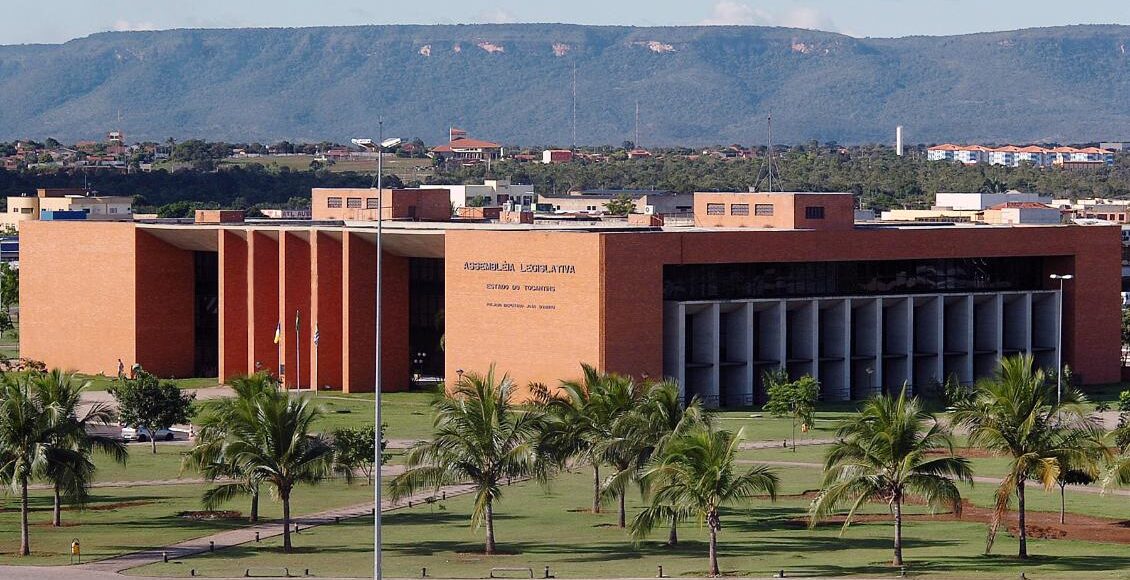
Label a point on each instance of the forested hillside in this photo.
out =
(512, 83)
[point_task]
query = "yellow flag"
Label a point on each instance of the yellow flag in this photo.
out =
(278, 332)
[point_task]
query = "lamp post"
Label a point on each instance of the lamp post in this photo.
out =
(1059, 335)
(379, 147)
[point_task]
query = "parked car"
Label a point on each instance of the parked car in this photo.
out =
(141, 434)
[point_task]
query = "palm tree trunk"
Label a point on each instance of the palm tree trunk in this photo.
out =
(622, 521)
(1020, 513)
(25, 540)
(285, 496)
(898, 531)
(57, 513)
(713, 547)
(673, 535)
(595, 487)
(254, 503)
(490, 528)
(1062, 502)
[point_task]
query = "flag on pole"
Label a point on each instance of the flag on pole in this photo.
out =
(316, 334)
(278, 332)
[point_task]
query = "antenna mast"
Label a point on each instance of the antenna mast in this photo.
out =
(636, 143)
(574, 105)
(768, 164)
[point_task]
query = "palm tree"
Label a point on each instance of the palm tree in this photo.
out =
(626, 442)
(27, 429)
(62, 393)
(695, 473)
(582, 418)
(1017, 414)
(483, 436)
(268, 440)
(669, 418)
(642, 433)
(206, 457)
(882, 454)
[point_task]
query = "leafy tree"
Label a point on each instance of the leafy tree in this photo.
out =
(145, 401)
(696, 472)
(1125, 336)
(9, 287)
(6, 324)
(483, 436)
(793, 399)
(882, 454)
(353, 451)
(1017, 414)
(72, 473)
(269, 440)
(621, 204)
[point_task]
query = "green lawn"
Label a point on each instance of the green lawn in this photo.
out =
(548, 527)
(105, 383)
(408, 415)
(119, 520)
(143, 465)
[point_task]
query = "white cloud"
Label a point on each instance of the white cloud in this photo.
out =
(126, 25)
(495, 16)
(732, 12)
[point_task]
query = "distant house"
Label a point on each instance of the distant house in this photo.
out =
(556, 156)
(1013, 156)
(639, 154)
(463, 148)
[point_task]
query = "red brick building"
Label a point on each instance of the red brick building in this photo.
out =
(860, 308)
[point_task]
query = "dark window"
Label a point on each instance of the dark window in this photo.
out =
(739, 209)
(353, 202)
(371, 203)
(715, 209)
(763, 209)
(425, 315)
(808, 279)
(206, 314)
(333, 202)
(814, 212)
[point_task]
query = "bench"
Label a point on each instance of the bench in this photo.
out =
(267, 573)
(493, 571)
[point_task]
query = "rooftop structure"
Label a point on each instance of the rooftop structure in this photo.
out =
(88, 204)
(1013, 156)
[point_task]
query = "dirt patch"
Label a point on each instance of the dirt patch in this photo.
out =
(1040, 525)
(118, 505)
(211, 515)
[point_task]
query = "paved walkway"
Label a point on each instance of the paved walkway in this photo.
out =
(230, 538)
(976, 479)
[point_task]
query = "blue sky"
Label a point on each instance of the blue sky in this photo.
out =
(61, 20)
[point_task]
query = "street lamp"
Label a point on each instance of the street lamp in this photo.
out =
(379, 147)
(1059, 335)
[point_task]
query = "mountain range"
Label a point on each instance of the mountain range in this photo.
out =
(513, 83)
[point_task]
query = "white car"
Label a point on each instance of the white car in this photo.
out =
(141, 434)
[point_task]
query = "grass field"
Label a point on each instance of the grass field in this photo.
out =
(119, 520)
(408, 415)
(105, 383)
(549, 527)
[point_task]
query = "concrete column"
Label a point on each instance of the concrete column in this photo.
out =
(294, 306)
(234, 318)
(262, 300)
(358, 314)
(325, 307)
